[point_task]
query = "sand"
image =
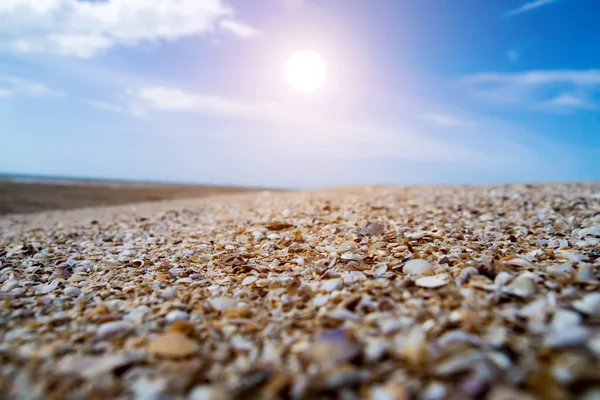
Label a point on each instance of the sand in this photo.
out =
(25, 198)
(373, 292)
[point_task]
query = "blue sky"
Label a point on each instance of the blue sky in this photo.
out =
(193, 91)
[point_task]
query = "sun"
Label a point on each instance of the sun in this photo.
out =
(305, 71)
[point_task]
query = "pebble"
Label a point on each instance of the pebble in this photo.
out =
(418, 267)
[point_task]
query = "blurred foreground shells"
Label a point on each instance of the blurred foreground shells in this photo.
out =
(483, 292)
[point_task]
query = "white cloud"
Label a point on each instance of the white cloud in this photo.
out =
(84, 29)
(312, 135)
(239, 28)
(102, 105)
(13, 86)
(528, 7)
(556, 90)
(445, 120)
(567, 101)
(512, 55)
(169, 99)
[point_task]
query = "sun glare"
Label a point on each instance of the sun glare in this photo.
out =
(305, 71)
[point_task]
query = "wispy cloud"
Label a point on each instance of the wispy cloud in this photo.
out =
(555, 90)
(314, 135)
(444, 120)
(527, 7)
(14, 86)
(103, 105)
(85, 29)
(238, 28)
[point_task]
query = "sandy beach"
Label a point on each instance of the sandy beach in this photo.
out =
(450, 292)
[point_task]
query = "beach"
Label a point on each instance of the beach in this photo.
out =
(421, 292)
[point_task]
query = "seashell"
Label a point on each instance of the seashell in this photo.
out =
(414, 346)
(320, 300)
(351, 256)
(503, 278)
(114, 327)
(560, 271)
(418, 267)
(567, 337)
(222, 303)
(173, 345)
(333, 347)
(589, 231)
(91, 367)
(431, 282)
(522, 286)
(176, 315)
(519, 262)
(342, 314)
(249, 279)
(434, 391)
(465, 275)
(329, 285)
(137, 263)
(374, 228)
(379, 269)
(563, 319)
(169, 293)
(9, 285)
(589, 304)
(585, 273)
(72, 291)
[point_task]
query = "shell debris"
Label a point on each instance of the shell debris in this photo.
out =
(388, 292)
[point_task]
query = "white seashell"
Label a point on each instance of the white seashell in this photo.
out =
(114, 327)
(330, 285)
(567, 337)
(9, 285)
(522, 286)
(560, 271)
(169, 293)
(503, 278)
(589, 304)
(128, 253)
(465, 275)
(320, 300)
(176, 315)
(137, 263)
(563, 319)
(585, 273)
(519, 262)
(351, 256)
(343, 314)
(50, 287)
(379, 269)
(72, 291)
(222, 303)
(589, 231)
(431, 282)
(418, 267)
(249, 279)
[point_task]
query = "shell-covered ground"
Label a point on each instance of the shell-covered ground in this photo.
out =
(358, 293)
